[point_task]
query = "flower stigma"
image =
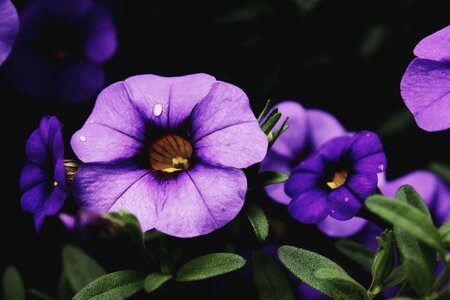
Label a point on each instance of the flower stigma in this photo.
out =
(338, 179)
(170, 153)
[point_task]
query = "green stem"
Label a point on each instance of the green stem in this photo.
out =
(444, 276)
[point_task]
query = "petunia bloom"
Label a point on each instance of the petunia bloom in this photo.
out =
(169, 150)
(336, 179)
(425, 86)
(42, 180)
(60, 49)
(308, 129)
(9, 27)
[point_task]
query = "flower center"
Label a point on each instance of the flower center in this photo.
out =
(338, 179)
(170, 153)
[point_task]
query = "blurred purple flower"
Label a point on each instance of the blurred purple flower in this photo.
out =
(9, 27)
(336, 179)
(425, 86)
(308, 129)
(60, 49)
(43, 181)
(85, 224)
(169, 150)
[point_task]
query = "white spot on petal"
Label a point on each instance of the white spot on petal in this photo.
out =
(367, 134)
(333, 211)
(157, 110)
(346, 199)
(83, 138)
(381, 167)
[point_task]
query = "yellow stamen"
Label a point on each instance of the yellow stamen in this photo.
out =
(338, 180)
(55, 183)
(170, 153)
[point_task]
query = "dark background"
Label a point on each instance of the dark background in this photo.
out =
(346, 57)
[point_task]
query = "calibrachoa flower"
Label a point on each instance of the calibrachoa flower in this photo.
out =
(308, 129)
(425, 87)
(43, 181)
(9, 26)
(169, 150)
(336, 179)
(61, 48)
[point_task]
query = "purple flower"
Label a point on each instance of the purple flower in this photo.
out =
(425, 86)
(430, 187)
(84, 225)
(336, 179)
(169, 150)
(308, 129)
(9, 27)
(60, 49)
(43, 181)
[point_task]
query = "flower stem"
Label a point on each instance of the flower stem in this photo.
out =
(444, 276)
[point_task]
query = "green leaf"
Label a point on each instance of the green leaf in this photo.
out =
(384, 258)
(396, 123)
(154, 280)
(419, 260)
(271, 282)
(113, 286)
(303, 264)
(80, 268)
(13, 287)
(445, 233)
(408, 194)
(407, 218)
(361, 254)
(130, 223)
(210, 265)
(396, 277)
(401, 298)
(273, 177)
(337, 278)
(38, 294)
(258, 219)
(265, 110)
(441, 169)
(271, 121)
(65, 291)
(275, 135)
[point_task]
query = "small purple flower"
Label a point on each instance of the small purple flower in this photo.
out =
(9, 27)
(61, 48)
(43, 181)
(425, 86)
(84, 225)
(308, 129)
(336, 179)
(169, 150)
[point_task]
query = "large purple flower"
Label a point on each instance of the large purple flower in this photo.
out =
(60, 49)
(169, 150)
(336, 179)
(9, 26)
(308, 129)
(43, 180)
(425, 86)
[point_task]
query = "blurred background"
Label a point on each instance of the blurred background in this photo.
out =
(346, 57)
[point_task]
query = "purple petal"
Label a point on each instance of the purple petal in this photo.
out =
(341, 229)
(60, 174)
(342, 204)
(225, 131)
(114, 130)
(435, 46)
(335, 149)
(121, 185)
(38, 220)
(276, 162)
(200, 200)
(55, 201)
(425, 88)
(373, 163)
(32, 175)
(305, 291)
(441, 207)
(322, 127)
(313, 164)
(302, 182)
(297, 131)
(9, 27)
(34, 198)
(166, 102)
(36, 148)
(101, 40)
(310, 207)
(55, 139)
(362, 184)
(363, 144)
(79, 81)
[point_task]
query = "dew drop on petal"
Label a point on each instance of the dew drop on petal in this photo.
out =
(367, 134)
(346, 199)
(333, 211)
(381, 167)
(91, 121)
(83, 138)
(157, 110)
